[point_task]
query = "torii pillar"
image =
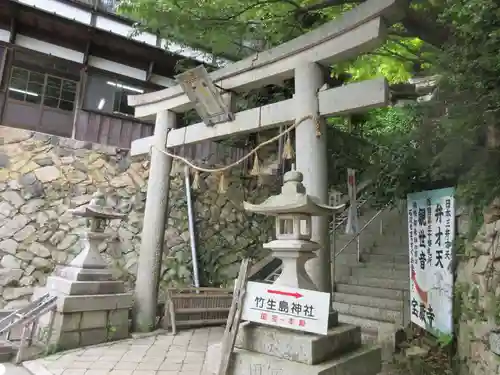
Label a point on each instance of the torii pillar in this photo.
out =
(310, 146)
(153, 230)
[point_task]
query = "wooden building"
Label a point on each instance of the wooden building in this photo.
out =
(67, 66)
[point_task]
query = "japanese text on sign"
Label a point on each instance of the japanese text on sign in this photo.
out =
(431, 228)
(298, 309)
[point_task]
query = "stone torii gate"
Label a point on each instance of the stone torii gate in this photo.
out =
(358, 31)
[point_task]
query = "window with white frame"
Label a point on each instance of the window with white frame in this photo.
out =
(109, 95)
(37, 88)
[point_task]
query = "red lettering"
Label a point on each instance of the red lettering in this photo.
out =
(275, 318)
(290, 321)
(302, 323)
(263, 316)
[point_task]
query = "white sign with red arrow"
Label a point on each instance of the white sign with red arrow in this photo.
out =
(297, 309)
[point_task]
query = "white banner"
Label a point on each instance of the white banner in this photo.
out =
(431, 231)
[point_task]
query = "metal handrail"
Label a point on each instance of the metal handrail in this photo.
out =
(356, 237)
(344, 218)
(361, 230)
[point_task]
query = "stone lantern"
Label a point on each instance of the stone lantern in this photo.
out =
(293, 210)
(89, 263)
(92, 308)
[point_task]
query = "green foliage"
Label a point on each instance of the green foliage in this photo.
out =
(451, 143)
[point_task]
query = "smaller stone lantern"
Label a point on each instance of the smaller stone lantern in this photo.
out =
(92, 308)
(293, 210)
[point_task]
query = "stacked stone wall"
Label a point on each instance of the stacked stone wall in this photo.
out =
(42, 176)
(477, 296)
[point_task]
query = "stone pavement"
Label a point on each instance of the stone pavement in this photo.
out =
(163, 354)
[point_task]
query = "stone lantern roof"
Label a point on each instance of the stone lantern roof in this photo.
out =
(97, 208)
(292, 200)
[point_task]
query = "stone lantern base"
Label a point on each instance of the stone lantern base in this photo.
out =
(262, 350)
(91, 307)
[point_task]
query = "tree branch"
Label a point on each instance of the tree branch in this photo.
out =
(424, 25)
(238, 13)
(327, 4)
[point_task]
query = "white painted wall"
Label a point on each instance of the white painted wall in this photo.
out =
(114, 67)
(60, 9)
(76, 56)
(49, 48)
(118, 27)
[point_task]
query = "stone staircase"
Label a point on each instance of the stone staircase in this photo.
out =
(374, 293)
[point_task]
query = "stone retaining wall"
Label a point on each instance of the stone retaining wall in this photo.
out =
(477, 299)
(42, 176)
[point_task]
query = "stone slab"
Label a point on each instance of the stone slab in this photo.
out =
(94, 319)
(74, 287)
(296, 346)
(363, 361)
(93, 336)
(81, 274)
(101, 302)
(495, 342)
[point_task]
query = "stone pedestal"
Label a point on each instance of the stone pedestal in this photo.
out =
(268, 350)
(262, 350)
(92, 308)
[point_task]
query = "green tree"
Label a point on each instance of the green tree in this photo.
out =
(237, 28)
(452, 142)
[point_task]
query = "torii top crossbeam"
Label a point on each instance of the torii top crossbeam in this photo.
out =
(358, 31)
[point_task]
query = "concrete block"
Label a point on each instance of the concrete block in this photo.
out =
(94, 319)
(118, 317)
(68, 340)
(58, 284)
(67, 322)
(81, 274)
(295, 346)
(369, 312)
(93, 336)
(364, 361)
(119, 332)
(94, 303)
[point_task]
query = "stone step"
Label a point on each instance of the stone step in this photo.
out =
(369, 301)
(384, 266)
(363, 361)
(389, 250)
(375, 331)
(362, 290)
(368, 326)
(375, 282)
(368, 260)
(386, 258)
(380, 272)
(374, 313)
(310, 349)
